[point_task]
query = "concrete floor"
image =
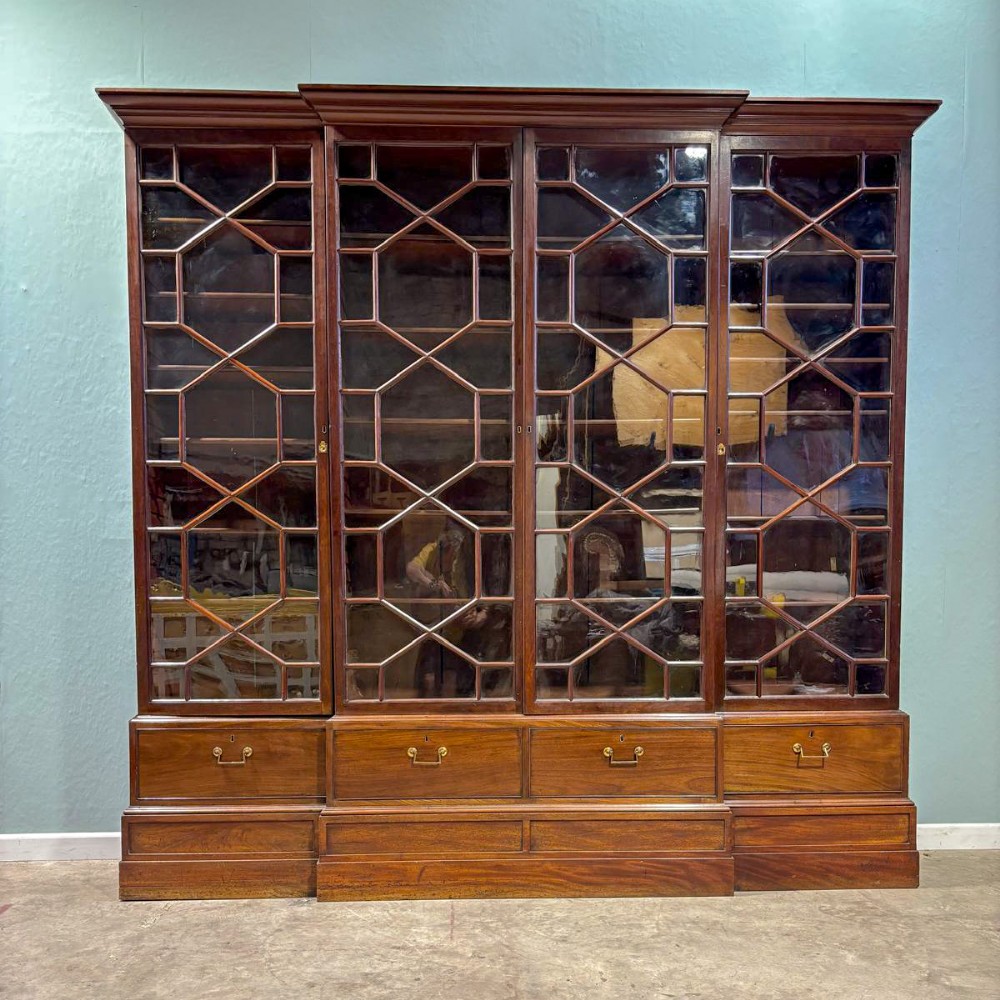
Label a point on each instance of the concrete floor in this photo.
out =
(64, 934)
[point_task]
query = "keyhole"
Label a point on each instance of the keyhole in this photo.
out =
(427, 739)
(810, 734)
(232, 739)
(621, 739)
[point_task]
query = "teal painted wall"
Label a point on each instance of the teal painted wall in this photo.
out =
(66, 632)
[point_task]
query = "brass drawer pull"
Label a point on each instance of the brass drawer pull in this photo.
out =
(634, 762)
(442, 752)
(217, 754)
(802, 755)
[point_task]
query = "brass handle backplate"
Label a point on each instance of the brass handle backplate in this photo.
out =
(634, 762)
(442, 752)
(798, 750)
(217, 754)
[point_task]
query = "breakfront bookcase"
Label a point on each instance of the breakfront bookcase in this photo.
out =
(518, 480)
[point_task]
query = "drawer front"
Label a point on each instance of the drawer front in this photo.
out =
(874, 830)
(820, 759)
(435, 763)
(649, 836)
(212, 764)
(410, 837)
(223, 837)
(641, 761)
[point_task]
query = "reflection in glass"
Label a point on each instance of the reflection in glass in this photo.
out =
(880, 170)
(156, 163)
(676, 218)
(760, 223)
(235, 669)
(552, 288)
(566, 218)
(162, 441)
(553, 164)
(814, 183)
(867, 223)
(176, 496)
(282, 217)
(622, 177)
(170, 218)
(225, 175)
(748, 171)
(691, 163)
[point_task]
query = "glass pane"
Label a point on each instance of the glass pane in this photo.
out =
(563, 497)
(812, 430)
(676, 218)
(225, 175)
(170, 218)
(552, 288)
(356, 295)
(495, 431)
(294, 163)
(361, 562)
(298, 429)
(497, 565)
(877, 293)
(480, 216)
(178, 633)
(175, 496)
(368, 216)
(867, 223)
(228, 288)
(673, 497)
(619, 279)
(493, 162)
(618, 670)
(621, 428)
(358, 414)
(354, 161)
(483, 496)
(231, 427)
(303, 682)
(291, 632)
(550, 428)
(429, 671)
(880, 170)
(760, 223)
(748, 171)
(156, 163)
(494, 287)
(159, 289)
(372, 496)
(301, 565)
(162, 423)
(234, 670)
(425, 280)
(619, 553)
(370, 357)
(287, 496)
(814, 183)
(428, 430)
(424, 175)
(807, 558)
(566, 218)
(550, 566)
(284, 357)
(622, 177)
(553, 164)
(689, 290)
(282, 217)
(295, 301)
(746, 287)
(375, 634)
(691, 163)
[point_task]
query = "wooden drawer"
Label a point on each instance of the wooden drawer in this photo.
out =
(663, 762)
(654, 837)
(208, 763)
(883, 829)
(857, 758)
(438, 763)
(230, 836)
(426, 838)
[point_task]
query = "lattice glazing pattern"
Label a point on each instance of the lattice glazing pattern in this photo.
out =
(621, 377)
(426, 352)
(227, 285)
(812, 276)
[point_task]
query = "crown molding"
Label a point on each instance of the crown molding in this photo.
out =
(829, 116)
(522, 106)
(147, 108)
(732, 111)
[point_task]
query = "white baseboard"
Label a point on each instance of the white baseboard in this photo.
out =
(107, 846)
(60, 846)
(958, 836)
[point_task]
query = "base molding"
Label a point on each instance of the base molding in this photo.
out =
(828, 870)
(271, 879)
(524, 877)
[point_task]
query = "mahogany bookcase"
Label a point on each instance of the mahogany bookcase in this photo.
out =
(518, 486)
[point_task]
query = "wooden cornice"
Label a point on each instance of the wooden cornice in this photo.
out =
(829, 116)
(733, 111)
(146, 108)
(522, 106)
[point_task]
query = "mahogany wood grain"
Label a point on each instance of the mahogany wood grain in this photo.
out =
(828, 870)
(662, 835)
(524, 877)
(862, 758)
(177, 763)
(479, 763)
(874, 829)
(395, 836)
(229, 837)
(273, 879)
(675, 763)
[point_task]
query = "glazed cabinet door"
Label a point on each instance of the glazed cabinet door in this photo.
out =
(620, 365)
(426, 249)
(816, 294)
(229, 524)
